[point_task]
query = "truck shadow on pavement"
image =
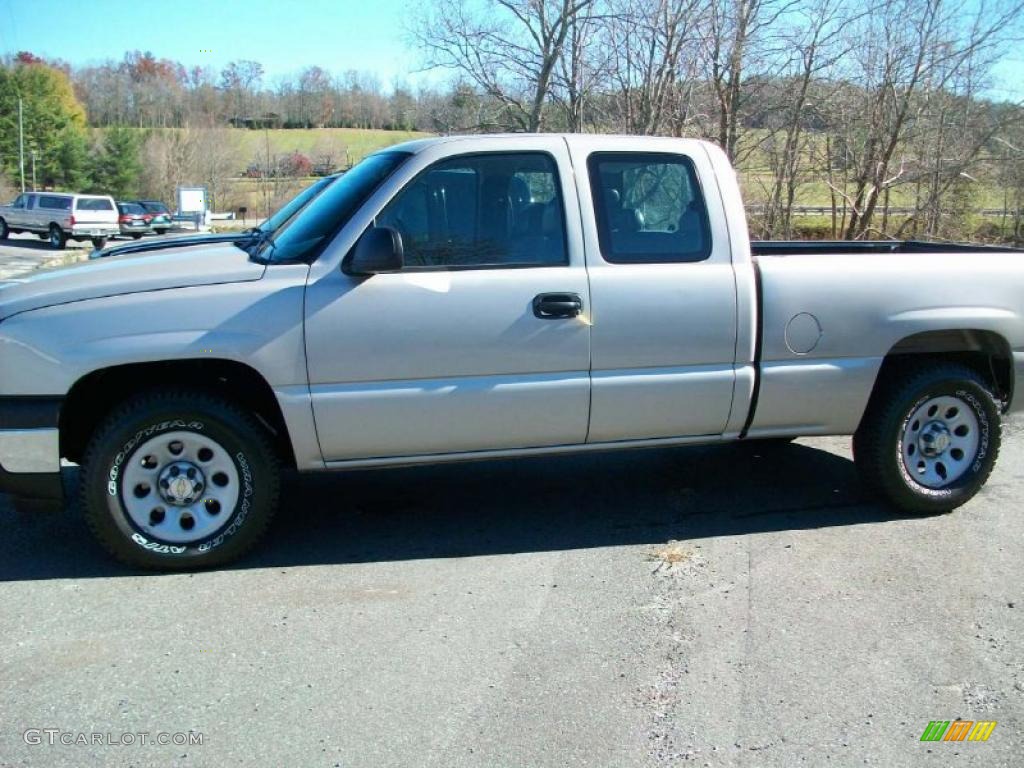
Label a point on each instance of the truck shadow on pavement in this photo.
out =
(500, 507)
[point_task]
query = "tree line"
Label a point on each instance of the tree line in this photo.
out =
(882, 112)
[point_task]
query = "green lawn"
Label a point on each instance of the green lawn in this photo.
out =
(358, 142)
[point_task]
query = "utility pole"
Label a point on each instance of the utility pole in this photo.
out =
(34, 153)
(21, 145)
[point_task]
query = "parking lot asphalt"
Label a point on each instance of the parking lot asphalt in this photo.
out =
(718, 606)
(23, 253)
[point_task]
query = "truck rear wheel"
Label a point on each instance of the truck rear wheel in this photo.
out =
(177, 480)
(929, 439)
(57, 237)
(4, 230)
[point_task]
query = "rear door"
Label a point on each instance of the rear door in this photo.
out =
(663, 339)
(459, 352)
(55, 209)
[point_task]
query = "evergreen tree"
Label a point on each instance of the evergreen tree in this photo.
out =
(116, 167)
(73, 161)
(52, 117)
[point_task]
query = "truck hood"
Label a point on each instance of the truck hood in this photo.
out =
(182, 267)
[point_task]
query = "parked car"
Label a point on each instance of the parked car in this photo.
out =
(267, 228)
(134, 220)
(161, 215)
(61, 216)
(488, 297)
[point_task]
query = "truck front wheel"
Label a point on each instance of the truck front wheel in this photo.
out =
(929, 439)
(178, 480)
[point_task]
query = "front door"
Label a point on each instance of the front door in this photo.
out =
(462, 351)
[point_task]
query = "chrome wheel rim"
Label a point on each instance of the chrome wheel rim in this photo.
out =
(940, 441)
(180, 487)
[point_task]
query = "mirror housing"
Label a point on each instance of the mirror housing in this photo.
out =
(378, 250)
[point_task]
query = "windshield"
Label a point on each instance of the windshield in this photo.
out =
(288, 210)
(304, 234)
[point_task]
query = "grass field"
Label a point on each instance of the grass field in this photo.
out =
(355, 142)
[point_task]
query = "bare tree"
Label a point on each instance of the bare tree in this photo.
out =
(739, 37)
(814, 45)
(906, 50)
(653, 59)
(507, 48)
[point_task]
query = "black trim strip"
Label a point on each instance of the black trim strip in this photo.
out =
(30, 412)
(758, 347)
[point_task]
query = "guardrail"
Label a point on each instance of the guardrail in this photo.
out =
(826, 210)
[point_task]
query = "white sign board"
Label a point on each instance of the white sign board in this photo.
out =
(192, 200)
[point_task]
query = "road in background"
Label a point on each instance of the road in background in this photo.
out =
(722, 606)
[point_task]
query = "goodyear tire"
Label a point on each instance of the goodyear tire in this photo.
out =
(176, 480)
(929, 439)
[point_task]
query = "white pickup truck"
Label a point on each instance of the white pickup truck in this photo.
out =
(493, 296)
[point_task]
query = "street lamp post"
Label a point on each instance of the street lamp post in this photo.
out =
(21, 145)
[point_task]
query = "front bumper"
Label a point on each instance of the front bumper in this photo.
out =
(30, 447)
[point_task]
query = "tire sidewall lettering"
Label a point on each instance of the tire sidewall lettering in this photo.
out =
(240, 514)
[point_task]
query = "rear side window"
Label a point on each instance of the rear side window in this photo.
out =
(131, 208)
(479, 211)
(54, 203)
(155, 207)
(649, 208)
(93, 204)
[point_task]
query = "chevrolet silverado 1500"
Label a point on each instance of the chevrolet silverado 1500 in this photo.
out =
(492, 296)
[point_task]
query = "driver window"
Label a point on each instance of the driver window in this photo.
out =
(478, 211)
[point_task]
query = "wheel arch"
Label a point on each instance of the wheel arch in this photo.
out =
(96, 393)
(986, 352)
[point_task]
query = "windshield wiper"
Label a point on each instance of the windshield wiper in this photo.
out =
(258, 240)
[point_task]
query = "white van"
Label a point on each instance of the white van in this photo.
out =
(61, 216)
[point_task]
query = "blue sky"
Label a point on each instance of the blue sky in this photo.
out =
(284, 35)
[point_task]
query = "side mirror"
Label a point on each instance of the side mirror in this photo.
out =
(378, 250)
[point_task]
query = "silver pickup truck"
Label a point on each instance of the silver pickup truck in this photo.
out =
(493, 296)
(61, 216)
